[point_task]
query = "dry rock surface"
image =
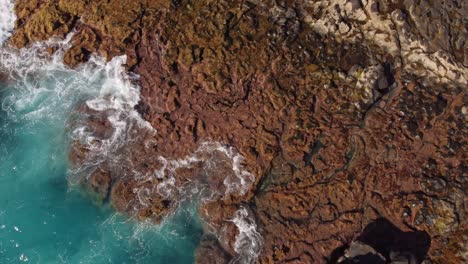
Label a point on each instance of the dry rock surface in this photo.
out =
(336, 128)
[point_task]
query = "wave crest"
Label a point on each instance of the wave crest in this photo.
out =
(104, 93)
(249, 242)
(7, 19)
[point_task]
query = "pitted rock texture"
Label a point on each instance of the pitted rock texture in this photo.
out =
(426, 39)
(345, 112)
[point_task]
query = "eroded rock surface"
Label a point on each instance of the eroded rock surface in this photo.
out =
(344, 112)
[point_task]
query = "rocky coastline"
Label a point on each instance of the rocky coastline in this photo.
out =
(340, 125)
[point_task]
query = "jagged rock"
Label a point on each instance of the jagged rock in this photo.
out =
(344, 112)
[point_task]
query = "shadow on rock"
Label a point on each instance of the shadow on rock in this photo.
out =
(382, 242)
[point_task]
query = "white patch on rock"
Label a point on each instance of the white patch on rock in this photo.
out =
(389, 33)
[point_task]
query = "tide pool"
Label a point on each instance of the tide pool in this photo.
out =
(42, 218)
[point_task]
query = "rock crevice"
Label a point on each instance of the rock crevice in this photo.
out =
(341, 112)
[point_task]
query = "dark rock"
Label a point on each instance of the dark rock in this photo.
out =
(209, 252)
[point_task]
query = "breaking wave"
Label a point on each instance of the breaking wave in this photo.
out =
(7, 19)
(248, 242)
(106, 89)
(219, 164)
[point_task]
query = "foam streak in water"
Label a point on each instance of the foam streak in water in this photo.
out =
(39, 102)
(107, 89)
(220, 166)
(7, 19)
(248, 242)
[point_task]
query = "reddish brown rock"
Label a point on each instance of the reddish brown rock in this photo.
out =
(99, 183)
(336, 134)
(209, 252)
(3, 77)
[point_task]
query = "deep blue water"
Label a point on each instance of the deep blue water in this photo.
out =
(42, 218)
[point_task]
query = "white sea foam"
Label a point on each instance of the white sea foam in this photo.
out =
(213, 157)
(249, 242)
(117, 98)
(40, 79)
(7, 19)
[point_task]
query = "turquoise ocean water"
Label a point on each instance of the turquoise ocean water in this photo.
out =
(42, 218)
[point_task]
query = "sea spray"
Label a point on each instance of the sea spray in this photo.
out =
(41, 219)
(49, 91)
(236, 181)
(211, 182)
(116, 99)
(249, 242)
(103, 85)
(7, 19)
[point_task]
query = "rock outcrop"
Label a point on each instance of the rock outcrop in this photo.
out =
(332, 114)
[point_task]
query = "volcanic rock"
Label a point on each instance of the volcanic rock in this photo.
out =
(344, 112)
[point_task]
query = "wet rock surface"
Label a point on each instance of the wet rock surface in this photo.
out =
(344, 112)
(3, 77)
